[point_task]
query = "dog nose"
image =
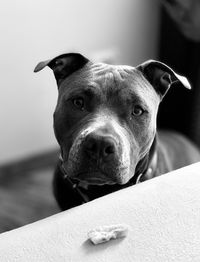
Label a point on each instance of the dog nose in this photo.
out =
(97, 146)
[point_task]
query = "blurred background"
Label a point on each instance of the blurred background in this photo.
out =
(122, 31)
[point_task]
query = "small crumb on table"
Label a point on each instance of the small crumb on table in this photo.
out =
(106, 233)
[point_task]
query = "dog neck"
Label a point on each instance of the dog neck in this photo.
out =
(145, 170)
(147, 166)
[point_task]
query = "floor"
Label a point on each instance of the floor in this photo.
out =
(26, 192)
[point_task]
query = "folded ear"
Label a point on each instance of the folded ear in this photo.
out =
(63, 65)
(161, 76)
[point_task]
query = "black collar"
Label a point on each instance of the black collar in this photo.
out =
(145, 170)
(146, 167)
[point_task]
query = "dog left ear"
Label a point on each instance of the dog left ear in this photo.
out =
(161, 76)
(63, 65)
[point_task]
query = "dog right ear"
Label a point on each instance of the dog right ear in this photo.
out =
(63, 65)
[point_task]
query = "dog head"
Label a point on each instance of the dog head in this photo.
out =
(105, 118)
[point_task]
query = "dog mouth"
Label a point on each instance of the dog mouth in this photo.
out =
(117, 175)
(97, 178)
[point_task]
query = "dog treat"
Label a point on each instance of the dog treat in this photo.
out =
(106, 233)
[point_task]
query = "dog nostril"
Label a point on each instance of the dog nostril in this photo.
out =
(109, 150)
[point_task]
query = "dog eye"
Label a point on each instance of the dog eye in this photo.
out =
(137, 111)
(78, 102)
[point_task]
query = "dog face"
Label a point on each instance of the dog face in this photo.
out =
(105, 122)
(105, 118)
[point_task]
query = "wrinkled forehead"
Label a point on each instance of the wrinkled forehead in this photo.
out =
(122, 80)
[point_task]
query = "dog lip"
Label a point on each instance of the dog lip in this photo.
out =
(88, 177)
(98, 182)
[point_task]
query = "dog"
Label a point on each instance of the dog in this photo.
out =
(105, 124)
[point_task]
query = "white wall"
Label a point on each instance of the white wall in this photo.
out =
(35, 30)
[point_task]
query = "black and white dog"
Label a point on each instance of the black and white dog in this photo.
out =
(105, 124)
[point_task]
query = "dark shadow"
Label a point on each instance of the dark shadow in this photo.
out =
(90, 248)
